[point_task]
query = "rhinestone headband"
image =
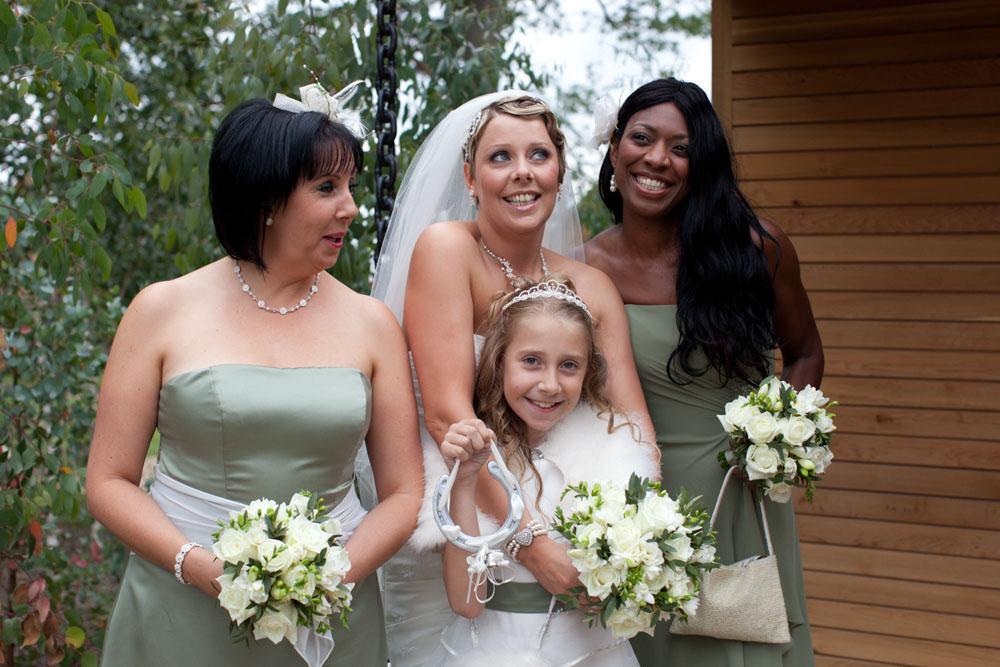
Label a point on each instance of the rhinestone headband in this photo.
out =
(472, 130)
(550, 289)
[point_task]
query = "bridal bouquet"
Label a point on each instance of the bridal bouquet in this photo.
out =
(283, 568)
(779, 438)
(639, 552)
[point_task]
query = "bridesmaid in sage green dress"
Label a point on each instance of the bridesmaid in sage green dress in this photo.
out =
(710, 291)
(263, 374)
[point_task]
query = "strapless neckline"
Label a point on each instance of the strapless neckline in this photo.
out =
(216, 367)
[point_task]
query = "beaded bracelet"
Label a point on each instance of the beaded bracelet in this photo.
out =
(179, 560)
(524, 537)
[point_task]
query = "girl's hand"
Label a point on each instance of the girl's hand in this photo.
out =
(467, 441)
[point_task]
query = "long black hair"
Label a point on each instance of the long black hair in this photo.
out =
(725, 294)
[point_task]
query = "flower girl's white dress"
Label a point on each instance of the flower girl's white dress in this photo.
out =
(517, 627)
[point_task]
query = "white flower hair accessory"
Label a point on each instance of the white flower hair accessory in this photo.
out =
(315, 98)
(605, 119)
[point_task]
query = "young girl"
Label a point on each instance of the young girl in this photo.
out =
(538, 361)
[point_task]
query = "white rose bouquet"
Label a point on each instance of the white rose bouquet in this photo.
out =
(779, 438)
(283, 568)
(641, 553)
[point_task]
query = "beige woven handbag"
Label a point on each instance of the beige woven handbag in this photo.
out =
(742, 601)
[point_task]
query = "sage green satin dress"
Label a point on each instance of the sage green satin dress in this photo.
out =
(690, 436)
(246, 432)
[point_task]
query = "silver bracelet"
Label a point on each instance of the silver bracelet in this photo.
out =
(179, 561)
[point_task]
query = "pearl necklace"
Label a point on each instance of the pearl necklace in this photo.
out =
(505, 265)
(271, 309)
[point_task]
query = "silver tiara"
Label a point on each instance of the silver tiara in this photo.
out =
(472, 130)
(550, 289)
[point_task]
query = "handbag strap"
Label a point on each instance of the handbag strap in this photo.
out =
(760, 501)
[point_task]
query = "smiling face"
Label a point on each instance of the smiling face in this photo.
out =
(651, 162)
(310, 228)
(544, 367)
(515, 172)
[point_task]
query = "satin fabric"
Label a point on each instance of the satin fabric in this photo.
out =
(244, 432)
(690, 436)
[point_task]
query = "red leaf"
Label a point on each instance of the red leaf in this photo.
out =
(21, 595)
(36, 531)
(43, 605)
(31, 628)
(10, 231)
(37, 586)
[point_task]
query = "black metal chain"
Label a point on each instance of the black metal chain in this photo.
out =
(385, 120)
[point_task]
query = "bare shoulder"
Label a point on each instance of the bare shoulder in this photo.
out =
(778, 248)
(449, 236)
(593, 285)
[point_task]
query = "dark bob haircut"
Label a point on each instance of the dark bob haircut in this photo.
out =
(259, 156)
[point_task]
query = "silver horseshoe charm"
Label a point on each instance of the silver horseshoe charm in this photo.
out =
(515, 501)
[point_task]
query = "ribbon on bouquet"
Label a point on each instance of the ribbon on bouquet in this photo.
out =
(196, 514)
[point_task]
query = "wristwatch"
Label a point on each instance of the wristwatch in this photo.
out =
(524, 537)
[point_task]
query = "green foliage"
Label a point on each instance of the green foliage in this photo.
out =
(108, 112)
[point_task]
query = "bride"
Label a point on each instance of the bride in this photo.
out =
(493, 170)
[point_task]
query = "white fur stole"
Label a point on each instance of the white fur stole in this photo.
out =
(579, 445)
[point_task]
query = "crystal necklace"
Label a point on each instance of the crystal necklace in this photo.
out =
(271, 309)
(505, 265)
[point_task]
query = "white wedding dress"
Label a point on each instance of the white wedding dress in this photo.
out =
(433, 190)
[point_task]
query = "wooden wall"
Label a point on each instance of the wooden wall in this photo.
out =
(870, 131)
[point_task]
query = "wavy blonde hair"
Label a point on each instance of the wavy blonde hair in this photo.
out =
(491, 405)
(521, 107)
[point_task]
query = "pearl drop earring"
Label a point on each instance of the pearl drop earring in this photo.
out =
(269, 221)
(613, 186)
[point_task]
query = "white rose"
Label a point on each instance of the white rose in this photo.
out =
(585, 560)
(599, 580)
(650, 554)
(643, 594)
(299, 504)
(588, 533)
(681, 587)
(610, 513)
(824, 423)
(624, 539)
(307, 534)
(791, 468)
(779, 493)
(276, 555)
(628, 621)
(277, 625)
(704, 554)
(762, 462)
(690, 606)
(234, 546)
(797, 430)
(762, 428)
(657, 513)
(681, 545)
(258, 594)
(257, 532)
(300, 580)
(333, 527)
(658, 578)
(334, 568)
(260, 507)
(234, 597)
(821, 457)
(809, 400)
(739, 411)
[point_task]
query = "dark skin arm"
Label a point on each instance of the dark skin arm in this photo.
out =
(799, 340)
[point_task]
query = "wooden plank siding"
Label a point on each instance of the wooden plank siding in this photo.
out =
(869, 130)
